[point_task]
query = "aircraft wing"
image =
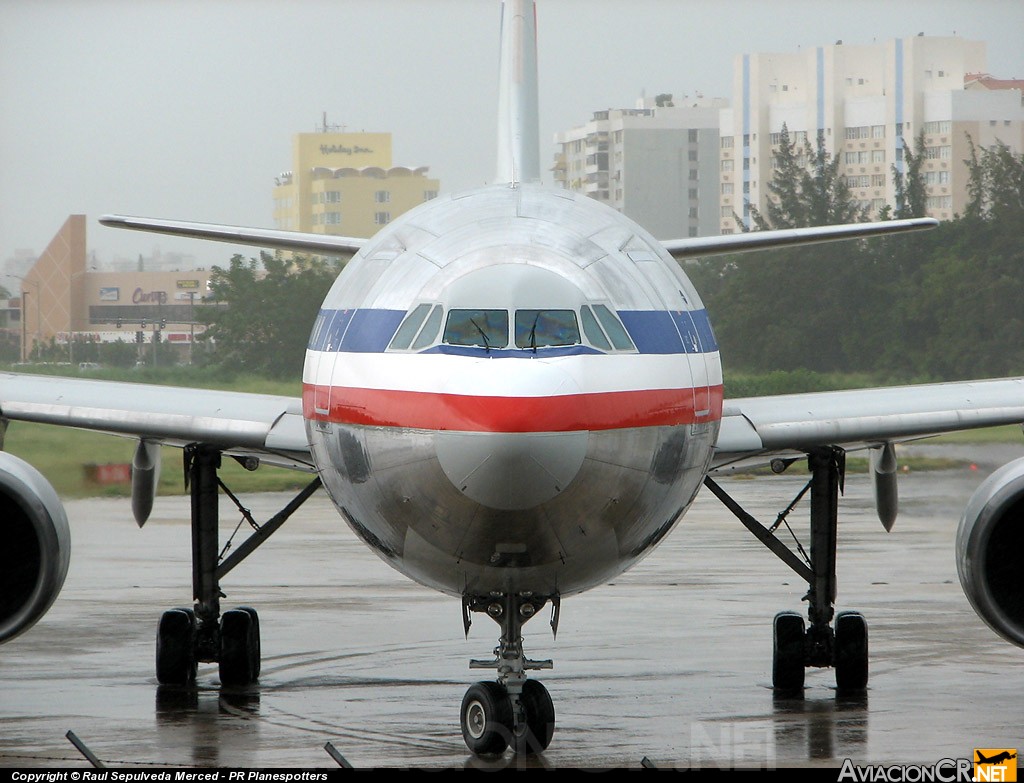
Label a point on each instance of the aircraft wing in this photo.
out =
(261, 237)
(794, 423)
(266, 426)
(763, 240)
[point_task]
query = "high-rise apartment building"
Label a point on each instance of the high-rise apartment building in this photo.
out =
(868, 104)
(345, 184)
(657, 164)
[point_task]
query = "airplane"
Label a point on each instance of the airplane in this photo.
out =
(996, 759)
(512, 395)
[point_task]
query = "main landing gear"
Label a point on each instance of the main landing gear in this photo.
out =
(843, 646)
(202, 633)
(513, 711)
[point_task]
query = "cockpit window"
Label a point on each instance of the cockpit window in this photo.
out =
(429, 331)
(316, 337)
(615, 331)
(403, 337)
(486, 328)
(541, 328)
(593, 331)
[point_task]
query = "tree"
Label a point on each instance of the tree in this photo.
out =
(828, 197)
(10, 347)
(911, 194)
(268, 308)
(785, 205)
(940, 305)
(793, 307)
(996, 185)
(977, 279)
(118, 354)
(807, 189)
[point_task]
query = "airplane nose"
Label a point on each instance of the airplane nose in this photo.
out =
(504, 463)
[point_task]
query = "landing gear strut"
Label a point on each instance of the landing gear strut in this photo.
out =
(844, 646)
(202, 633)
(514, 711)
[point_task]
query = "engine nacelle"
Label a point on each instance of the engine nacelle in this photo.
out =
(989, 545)
(35, 548)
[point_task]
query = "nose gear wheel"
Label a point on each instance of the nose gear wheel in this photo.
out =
(513, 711)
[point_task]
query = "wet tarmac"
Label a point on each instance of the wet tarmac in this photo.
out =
(672, 662)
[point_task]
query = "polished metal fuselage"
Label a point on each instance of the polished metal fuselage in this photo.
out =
(591, 458)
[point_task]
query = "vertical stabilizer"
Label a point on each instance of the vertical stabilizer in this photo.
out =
(518, 127)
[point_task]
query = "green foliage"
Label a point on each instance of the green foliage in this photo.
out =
(116, 354)
(10, 346)
(794, 382)
(807, 189)
(911, 195)
(997, 184)
(941, 304)
(270, 306)
(775, 300)
(785, 202)
(48, 351)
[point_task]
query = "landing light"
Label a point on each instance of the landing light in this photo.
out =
(249, 463)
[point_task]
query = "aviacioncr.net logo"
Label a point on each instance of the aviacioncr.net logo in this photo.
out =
(995, 764)
(942, 771)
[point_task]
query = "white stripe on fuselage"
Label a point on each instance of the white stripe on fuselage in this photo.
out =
(433, 373)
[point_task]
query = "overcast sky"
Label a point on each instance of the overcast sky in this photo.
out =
(186, 109)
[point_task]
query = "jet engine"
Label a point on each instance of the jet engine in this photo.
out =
(989, 546)
(35, 548)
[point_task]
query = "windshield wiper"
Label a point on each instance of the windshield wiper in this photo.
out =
(487, 343)
(533, 333)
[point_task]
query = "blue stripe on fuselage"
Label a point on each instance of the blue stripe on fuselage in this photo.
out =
(652, 331)
(519, 353)
(665, 331)
(356, 331)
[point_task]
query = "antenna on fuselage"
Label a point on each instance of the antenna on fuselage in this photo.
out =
(518, 126)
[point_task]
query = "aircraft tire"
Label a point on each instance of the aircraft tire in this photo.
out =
(257, 653)
(535, 735)
(788, 652)
(237, 648)
(486, 718)
(175, 648)
(851, 652)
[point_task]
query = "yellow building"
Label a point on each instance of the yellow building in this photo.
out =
(345, 184)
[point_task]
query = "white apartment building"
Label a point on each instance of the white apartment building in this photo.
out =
(656, 163)
(868, 103)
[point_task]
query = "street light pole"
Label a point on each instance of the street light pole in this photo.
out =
(24, 329)
(157, 325)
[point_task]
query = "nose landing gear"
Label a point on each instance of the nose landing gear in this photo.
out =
(513, 711)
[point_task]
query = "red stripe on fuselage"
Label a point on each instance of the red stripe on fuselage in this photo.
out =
(470, 413)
